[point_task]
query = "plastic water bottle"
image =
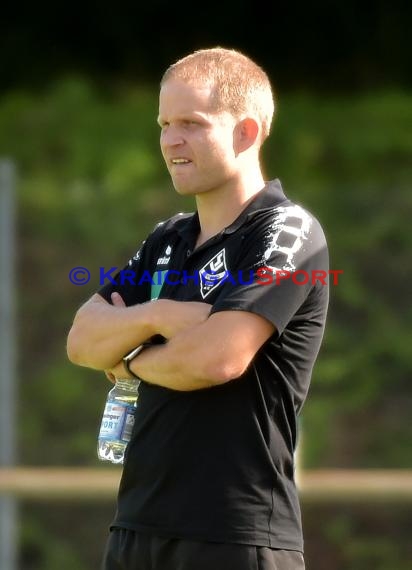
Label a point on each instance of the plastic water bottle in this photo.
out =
(118, 420)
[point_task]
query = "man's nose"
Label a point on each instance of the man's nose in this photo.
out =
(171, 136)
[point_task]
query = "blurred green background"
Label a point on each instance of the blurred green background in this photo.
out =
(78, 110)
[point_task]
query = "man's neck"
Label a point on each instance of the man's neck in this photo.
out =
(218, 209)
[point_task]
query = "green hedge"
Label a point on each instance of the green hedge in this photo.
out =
(92, 184)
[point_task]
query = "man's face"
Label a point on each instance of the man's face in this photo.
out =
(197, 142)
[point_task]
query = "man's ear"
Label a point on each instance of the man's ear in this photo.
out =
(246, 133)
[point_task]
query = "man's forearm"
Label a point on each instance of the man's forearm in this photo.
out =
(189, 361)
(102, 333)
(170, 366)
(213, 352)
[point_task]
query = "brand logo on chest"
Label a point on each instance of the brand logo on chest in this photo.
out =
(166, 257)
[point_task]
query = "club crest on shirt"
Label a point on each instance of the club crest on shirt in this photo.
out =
(212, 273)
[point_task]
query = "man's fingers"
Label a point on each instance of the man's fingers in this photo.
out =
(117, 300)
(110, 376)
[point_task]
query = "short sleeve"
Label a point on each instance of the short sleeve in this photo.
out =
(283, 259)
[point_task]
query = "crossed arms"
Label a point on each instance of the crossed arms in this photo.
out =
(201, 351)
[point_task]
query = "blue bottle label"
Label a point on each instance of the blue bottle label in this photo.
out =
(117, 422)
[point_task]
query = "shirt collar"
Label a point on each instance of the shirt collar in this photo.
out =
(270, 196)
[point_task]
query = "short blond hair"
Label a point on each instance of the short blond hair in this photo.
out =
(239, 85)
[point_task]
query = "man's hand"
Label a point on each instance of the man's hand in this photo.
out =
(110, 376)
(117, 300)
(173, 317)
(117, 372)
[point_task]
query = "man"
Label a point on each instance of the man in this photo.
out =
(233, 294)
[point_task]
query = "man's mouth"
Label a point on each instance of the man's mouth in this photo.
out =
(180, 161)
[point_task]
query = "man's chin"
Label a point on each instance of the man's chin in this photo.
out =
(184, 190)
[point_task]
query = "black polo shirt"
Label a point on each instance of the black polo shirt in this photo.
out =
(217, 464)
